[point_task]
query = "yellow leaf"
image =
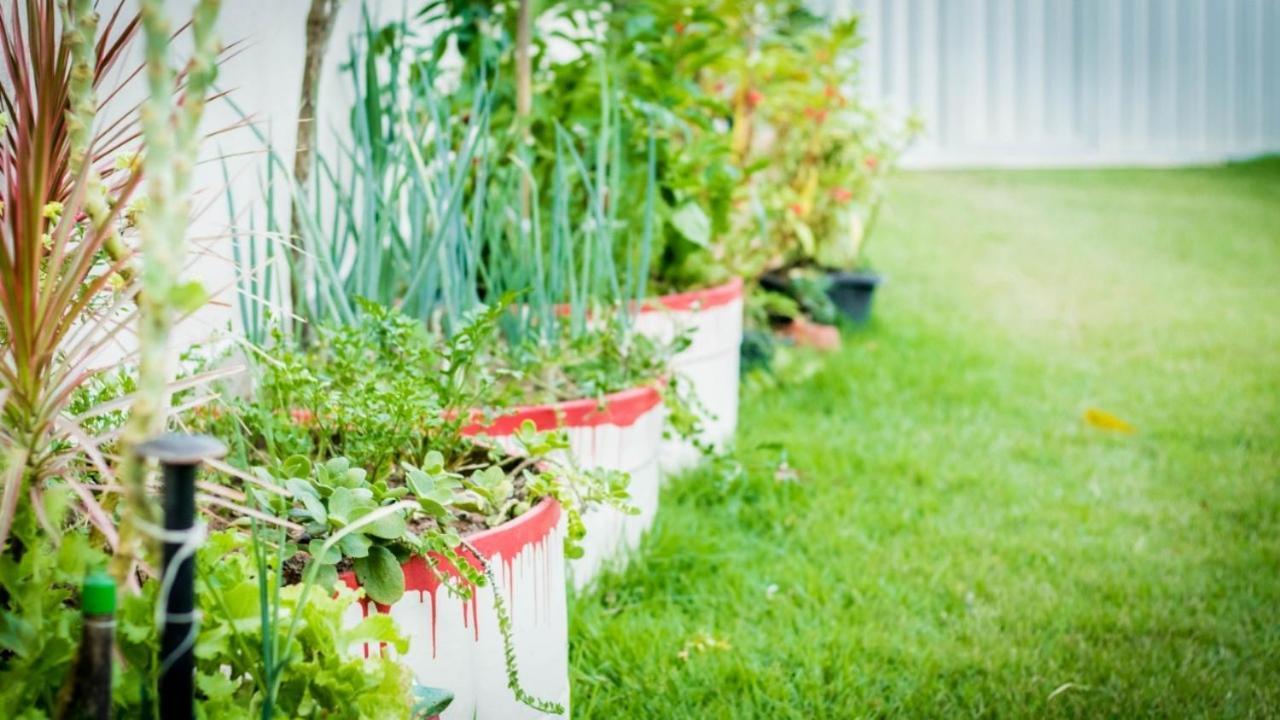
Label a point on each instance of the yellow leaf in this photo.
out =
(1104, 420)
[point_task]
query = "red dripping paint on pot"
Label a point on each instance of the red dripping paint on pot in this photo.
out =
(475, 614)
(435, 614)
(508, 567)
(507, 541)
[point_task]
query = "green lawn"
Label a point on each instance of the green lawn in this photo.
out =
(959, 541)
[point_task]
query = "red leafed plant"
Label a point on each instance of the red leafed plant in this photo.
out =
(65, 281)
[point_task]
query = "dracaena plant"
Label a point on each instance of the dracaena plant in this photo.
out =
(71, 166)
(65, 278)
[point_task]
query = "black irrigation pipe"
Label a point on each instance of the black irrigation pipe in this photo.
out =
(180, 456)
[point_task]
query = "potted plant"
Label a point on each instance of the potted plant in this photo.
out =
(827, 156)
(462, 543)
(566, 357)
(391, 398)
(677, 191)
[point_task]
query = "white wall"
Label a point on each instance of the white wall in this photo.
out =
(1077, 82)
(262, 75)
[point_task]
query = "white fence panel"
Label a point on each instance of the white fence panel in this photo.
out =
(1077, 82)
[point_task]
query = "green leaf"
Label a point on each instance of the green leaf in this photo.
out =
(376, 628)
(354, 477)
(188, 296)
(433, 463)
(241, 602)
(380, 575)
(419, 482)
(346, 504)
(326, 577)
(296, 466)
(433, 507)
(693, 224)
(329, 558)
(391, 527)
(304, 493)
(355, 545)
(216, 686)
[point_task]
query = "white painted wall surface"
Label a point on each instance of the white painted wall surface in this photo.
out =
(262, 74)
(1077, 82)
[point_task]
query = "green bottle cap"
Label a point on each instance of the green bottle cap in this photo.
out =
(99, 596)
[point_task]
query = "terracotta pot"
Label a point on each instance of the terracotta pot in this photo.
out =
(455, 643)
(709, 365)
(621, 431)
(806, 333)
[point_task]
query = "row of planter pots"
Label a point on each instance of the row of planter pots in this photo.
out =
(456, 643)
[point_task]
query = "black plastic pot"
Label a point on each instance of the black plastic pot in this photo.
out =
(852, 293)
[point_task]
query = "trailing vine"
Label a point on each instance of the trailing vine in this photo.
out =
(509, 645)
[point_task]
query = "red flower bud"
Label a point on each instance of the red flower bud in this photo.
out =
(872, 162)
(841, 195)
(302, 416)
(754, 97)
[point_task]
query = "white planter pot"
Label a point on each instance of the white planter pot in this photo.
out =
(455, 644)
(621, 431)
(713, 317)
